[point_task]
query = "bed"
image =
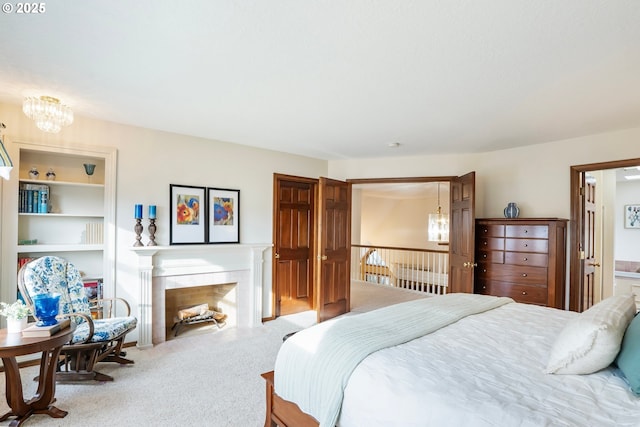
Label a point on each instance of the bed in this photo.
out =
(486, 365)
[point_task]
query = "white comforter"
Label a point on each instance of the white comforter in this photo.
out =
(313, 366)
(484, 370)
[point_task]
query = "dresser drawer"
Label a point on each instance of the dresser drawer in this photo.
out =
(491, 230)
(522, 258)
(531, 231)
(496, 257)
(527, 245)
(526, 258)
(490, 243)
(520, 293)
(513, 273)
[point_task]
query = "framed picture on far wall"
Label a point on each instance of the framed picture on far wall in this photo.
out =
(224, 215)
(632, 216)
(188, 217)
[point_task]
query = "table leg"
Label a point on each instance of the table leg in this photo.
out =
(45, 395)
(13, 389)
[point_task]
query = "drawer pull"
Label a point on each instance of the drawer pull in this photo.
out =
(484, 288)
(526, 245)
(526, 231)
(484, 255)
(525, 259)
(486, 243)
(484, 230)
(524, 274)
(524, 293)
(484, 270)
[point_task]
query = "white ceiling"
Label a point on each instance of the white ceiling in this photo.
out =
(339, 79)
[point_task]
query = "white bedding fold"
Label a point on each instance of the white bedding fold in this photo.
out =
(313, 366)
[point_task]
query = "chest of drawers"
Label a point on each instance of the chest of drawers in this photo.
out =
(523, 258)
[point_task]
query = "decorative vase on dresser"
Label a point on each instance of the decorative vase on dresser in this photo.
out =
(512, 210)
(524, 259)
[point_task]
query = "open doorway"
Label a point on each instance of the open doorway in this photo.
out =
(392, 244)
(602, 259)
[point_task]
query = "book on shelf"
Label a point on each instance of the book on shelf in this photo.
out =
(94, 292)
(33, 198)
(93, 288)
(34, 331)
(94, 233)
(23, 260)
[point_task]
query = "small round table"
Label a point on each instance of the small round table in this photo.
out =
(13, 345)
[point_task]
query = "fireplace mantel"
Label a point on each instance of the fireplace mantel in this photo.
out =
(163, 261)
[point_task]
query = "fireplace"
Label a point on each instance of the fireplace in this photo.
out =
(163, 269)
(185, 286)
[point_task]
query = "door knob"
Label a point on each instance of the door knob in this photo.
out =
(469, 264)
(322, 258)
(277, 255)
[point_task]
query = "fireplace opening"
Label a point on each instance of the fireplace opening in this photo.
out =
(216, 306)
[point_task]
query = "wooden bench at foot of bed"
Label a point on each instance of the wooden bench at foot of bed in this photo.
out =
(283, 413)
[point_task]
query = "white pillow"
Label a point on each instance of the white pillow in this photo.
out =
(591, 340)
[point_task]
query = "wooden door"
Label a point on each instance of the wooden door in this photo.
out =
(293, 240)
(462, 233)
(589, 242)
(334, 248)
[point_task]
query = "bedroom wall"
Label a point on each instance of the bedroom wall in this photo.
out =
(389, 221)
(148, 161)
(536, 176)
(393, 222)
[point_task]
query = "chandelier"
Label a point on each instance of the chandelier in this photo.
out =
(50, 115)
(438, 224)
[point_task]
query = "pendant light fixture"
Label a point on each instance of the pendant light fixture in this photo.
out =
(438, 224)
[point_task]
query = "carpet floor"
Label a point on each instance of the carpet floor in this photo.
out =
(207, 376)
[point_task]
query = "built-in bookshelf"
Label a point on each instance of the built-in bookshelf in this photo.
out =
(71, 216)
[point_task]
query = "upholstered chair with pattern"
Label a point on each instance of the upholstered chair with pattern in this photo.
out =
(97, 338)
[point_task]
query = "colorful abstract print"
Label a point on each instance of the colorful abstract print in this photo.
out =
(222, 211)
(188, 209)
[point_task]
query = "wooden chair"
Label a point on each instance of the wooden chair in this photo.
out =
(94, 340)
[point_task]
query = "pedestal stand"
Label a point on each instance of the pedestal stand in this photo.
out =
(152, 232)
(138, 229)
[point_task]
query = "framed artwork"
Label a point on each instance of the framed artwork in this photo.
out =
(632, 216)
(188, 214)
(224, 215)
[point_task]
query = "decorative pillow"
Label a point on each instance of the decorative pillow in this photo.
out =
(628, 359)
(591, 341)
